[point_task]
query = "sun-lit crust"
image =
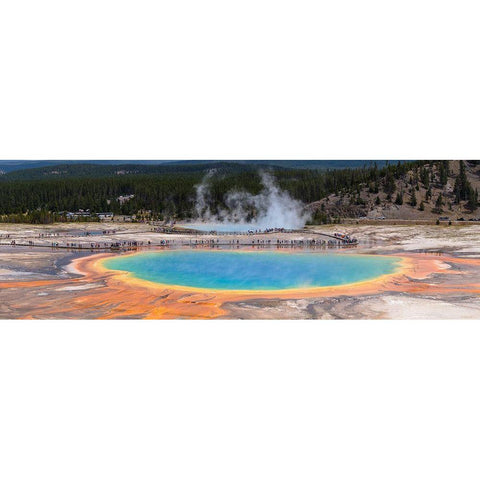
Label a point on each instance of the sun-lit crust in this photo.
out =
(124, 296)
(171, 301)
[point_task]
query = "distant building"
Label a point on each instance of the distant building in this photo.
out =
(105, 216)
(124, 218)
(73, 215)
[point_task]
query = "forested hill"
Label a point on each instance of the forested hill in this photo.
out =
(23, 169)
(393, 190)
(77, 170)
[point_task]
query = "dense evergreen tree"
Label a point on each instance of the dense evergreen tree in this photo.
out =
(462, 185)
(438, 204)
(169, 191)
(472, 202)
(413, 199)
(443, 172)
(428, 194)
(424, 177)
(389, 182)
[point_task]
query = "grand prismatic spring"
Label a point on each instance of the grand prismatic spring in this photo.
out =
(252, 270)
(193, 277)
(243, 241)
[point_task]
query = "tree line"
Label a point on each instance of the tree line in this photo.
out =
(171, 193)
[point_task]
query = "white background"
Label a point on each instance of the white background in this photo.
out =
(228, 80)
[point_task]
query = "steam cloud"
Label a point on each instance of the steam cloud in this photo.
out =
(271, 208)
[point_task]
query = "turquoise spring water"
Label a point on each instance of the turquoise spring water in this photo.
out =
(255, 270)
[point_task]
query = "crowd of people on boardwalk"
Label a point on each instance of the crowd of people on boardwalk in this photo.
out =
(243, 239)
(107, 245)
(92, 245)
(48, 234)
(76, 234)
(267, 230)
(266, 242)
(103, 232)
(220, 241)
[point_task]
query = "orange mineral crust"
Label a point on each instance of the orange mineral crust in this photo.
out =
(107, 294)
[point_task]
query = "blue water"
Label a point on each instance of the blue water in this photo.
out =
(240, 270)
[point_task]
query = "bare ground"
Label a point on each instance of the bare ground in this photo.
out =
(30, 263)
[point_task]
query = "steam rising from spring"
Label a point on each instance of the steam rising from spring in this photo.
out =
(271, 208)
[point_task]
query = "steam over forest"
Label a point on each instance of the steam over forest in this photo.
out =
(43, 195)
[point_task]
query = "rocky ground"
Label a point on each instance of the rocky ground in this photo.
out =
(25, 268)
(346, 205)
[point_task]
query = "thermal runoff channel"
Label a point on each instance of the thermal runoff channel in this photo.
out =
(243, 270)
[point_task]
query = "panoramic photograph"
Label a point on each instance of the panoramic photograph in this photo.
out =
(295, 239)
(239, 240)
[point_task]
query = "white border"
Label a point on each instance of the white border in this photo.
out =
(225, 399)
(253, 80)
(258, 79)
